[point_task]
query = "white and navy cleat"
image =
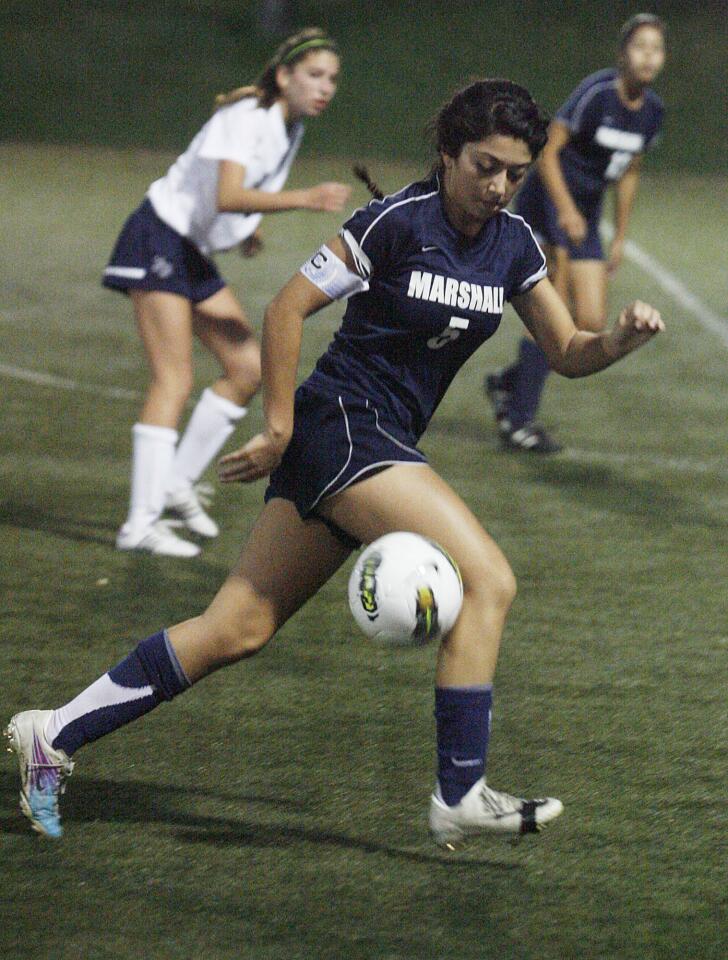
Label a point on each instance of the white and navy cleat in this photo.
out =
(483, 809)
(531, 437)
(43, 771)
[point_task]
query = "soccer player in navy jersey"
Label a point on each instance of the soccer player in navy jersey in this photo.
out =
(426, 273)
(597, 140)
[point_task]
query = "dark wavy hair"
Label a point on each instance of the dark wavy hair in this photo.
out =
(474, 113)
(490, 106)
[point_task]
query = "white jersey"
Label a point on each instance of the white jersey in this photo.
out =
(253, 136)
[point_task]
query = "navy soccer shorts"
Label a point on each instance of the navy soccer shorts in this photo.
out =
(150, 255)
(337, 440)
(535, 205)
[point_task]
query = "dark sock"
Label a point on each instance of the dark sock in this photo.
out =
(463, 728)
(527, 381)
(150, 674)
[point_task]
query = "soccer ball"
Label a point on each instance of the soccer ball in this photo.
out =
(405, 589)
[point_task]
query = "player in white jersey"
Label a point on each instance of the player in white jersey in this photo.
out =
(212, 198)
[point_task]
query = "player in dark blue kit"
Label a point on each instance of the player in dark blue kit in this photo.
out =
(597, 139)
(427, 272)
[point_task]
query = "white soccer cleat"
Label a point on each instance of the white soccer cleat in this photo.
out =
(483, 808)
(185, 504)
(158, 539)
(43, 771)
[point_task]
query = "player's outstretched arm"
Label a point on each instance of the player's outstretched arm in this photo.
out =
(578, 353)
(233, 197)
(280, 352)
(570, 218)
(625, 193)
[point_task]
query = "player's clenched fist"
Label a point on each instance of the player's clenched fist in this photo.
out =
(636, 324)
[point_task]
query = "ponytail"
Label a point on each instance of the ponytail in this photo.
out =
(361, 173)
(240, 93)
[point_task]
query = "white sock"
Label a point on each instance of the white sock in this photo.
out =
(211, 423)
(102, 694)
(152, 458)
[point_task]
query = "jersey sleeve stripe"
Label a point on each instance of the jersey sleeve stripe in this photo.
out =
(531, 281)
(361, 260)
(542, 271)
(581, 105)
(425, 196)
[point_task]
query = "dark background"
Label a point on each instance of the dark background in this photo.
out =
(144, 73)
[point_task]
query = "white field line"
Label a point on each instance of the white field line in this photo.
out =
(64, 383)
(717, 465)
(706, 317)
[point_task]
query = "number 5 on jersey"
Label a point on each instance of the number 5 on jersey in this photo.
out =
(450, 333)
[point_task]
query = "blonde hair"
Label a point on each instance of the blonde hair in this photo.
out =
(288, 54)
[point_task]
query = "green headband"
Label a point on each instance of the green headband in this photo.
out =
(306, 45)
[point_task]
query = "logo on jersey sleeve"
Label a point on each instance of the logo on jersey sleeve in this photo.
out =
(455, 293)
(162, 267)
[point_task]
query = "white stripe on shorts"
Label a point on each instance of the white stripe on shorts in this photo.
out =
(130, 273)
(348, 459)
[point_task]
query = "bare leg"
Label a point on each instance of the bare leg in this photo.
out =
(164, 321)
(413, 497)
(285, 561)
(558, 264)
(589, 294)
(223, 328)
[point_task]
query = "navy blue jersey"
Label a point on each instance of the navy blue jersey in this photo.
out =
(433, 297)
(605, 134)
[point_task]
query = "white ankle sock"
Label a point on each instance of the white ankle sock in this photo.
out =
(152, 458)
(211, 423)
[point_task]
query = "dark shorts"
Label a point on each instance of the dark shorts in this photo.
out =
(337, 441)
(150, 255)
(534, 204)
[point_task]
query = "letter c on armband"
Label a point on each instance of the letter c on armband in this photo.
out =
(331, 275)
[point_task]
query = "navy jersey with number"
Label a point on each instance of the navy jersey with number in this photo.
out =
(605, 134)
(433, 297)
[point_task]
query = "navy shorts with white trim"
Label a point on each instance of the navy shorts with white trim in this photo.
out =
(337, 440)
(150, 255)
(535, 205)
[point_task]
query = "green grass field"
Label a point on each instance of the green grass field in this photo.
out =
(278, 811)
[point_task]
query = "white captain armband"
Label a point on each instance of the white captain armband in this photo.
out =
(331, 275)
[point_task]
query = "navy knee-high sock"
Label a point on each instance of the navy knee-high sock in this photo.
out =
(525, 381)
(148, 675)
(463, 729)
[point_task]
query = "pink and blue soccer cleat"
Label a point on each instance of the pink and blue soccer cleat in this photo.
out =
(43, 771)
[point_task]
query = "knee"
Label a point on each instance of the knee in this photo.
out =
(244, 367)
(237, 642)
(493, 586)
(250, 365)
(175, 385)
(236, 634)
